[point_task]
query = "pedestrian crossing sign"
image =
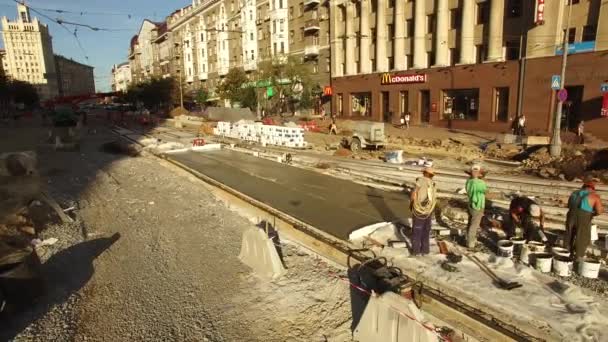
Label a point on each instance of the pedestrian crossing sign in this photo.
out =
(556, 82)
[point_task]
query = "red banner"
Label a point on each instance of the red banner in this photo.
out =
(605, 105)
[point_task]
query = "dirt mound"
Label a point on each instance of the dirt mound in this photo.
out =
(178, 111)
(342, 152)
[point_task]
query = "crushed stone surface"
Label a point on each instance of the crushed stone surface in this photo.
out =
(152, 256)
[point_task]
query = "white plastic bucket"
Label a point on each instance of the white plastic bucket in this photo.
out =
(518, 244)
(537, 246)
(526, 252)
(560, 251)
(562, 265)
(594, 236)
(589, 268)
(505, 248)
(543, 262)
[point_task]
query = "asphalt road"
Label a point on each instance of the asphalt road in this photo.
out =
(333, 205)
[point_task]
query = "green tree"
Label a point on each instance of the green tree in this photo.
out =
(202, 96)
(233, 86)
(290, 81)
(23, 92)
(153, 94)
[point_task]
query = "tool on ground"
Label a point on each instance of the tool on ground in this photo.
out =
(503, 284)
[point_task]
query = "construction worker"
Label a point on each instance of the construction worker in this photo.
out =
(525, 213)
(333, 128)
(422, 205)
(476, 191)
(583, 204)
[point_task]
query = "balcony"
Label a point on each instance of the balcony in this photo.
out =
(311, 2)
(311, 50)
(312, 25)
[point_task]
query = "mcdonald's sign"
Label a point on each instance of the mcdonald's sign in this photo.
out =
(388, 78)
(327, 91)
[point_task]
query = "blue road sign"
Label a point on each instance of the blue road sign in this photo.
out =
(604, 87)
(556, 82)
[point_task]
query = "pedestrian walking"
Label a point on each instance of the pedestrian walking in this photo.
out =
(333, 128)
(521, 125)
(422, 204)
(580, 131)
(407, 118)
(583, 205)
(476, 191)
(526, 214)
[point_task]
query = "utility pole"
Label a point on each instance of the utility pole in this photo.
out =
(523, 41)
(556, 141)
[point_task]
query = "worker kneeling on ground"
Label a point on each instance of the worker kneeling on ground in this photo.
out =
(422, 204)
(526, 214)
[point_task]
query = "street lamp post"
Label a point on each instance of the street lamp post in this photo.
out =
(556, 141)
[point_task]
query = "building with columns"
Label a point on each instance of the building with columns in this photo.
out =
(473, 64)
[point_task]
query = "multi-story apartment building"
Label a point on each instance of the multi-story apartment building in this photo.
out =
(473, 64)
(121, 77)
(29, 52)
(143, 52)
(74, 78)
(213, 36)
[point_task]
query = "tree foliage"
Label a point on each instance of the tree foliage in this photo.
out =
(153, 94)
(202, 96)
(17, 91)
(290, 81)
(233, 87)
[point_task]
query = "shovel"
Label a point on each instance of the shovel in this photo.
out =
(503, 284)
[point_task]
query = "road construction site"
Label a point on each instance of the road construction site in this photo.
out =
(180, 212)
(333, 197)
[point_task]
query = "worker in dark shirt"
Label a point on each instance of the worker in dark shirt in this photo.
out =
(525, 213)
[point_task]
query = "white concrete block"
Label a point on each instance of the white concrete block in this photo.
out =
(259, 253)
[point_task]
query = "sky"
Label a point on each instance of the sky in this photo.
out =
(103, 49)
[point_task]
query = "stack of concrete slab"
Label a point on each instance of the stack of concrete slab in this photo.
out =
(265, 134)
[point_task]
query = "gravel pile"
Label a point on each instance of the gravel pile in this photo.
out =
(152, 256)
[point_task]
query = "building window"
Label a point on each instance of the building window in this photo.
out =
(357, 10)
(315, 68)
(431, 57)
(454, 56)
(203, 53)
(430, 23)
(202, 37)
(409, 61)
(455, 18)
(391, 3)
(373, 64)
(250, 14)
(275, 48)
(327, 64)
(290, 12)
(501, 104)
(480, 53)
(573, 2)
(483, 12)
(571, 35)
(280, 3)
(292, 34)
(589, 32)
(281, 25)
(301, 7)
(390, 31)
(361, 104)
(274, 26)
(374, 5)
(512, 50)
(461, 104)
(403, 102)
(409, 28)
(282, 47)
(339, 104)
(252, 55)
(513, 8)
(301, 33)
(391, 63)
(251, 36)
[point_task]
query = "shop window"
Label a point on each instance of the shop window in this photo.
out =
(501, 104)
(589, 32)
(461, 104)
(403, 104)
(339, 104)
(361, 104)
(455, 18)
(483, 12)
(514, 8)
(571, 35)
(512, 50)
